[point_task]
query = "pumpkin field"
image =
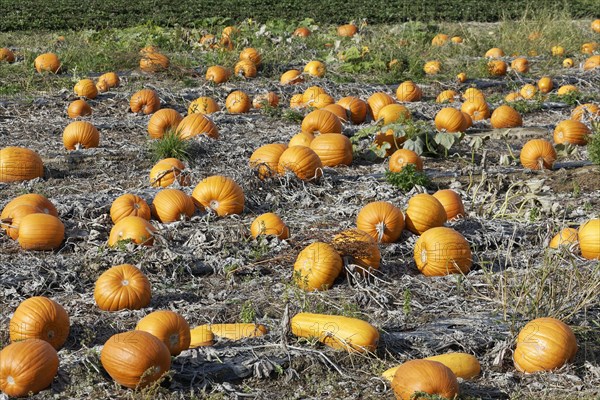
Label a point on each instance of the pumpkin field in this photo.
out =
(258, 208)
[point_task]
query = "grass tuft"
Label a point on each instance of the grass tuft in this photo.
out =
(408, 178)
(171, 145)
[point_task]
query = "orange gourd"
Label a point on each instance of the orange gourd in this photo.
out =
(447, 96)
(477, 108)
(168, 326)
(440, 39)
(409, 91)
(506, 117)
(251, 54)
(20, 164)
(589, 239)
(47, 62)
(321, 121)
(315, 68)
(122, 287)
(565, 238)
(39, 231)
(333, 149)
(449, 119)
(520, 65)
(145, 101)
(301, 161)
(154, 62)
(129, 205)
(377, 101)
(238, 102)
(79, 108)
(269, 99)
(403, 157)
(317, 266)
(6, 55)
(427, 376)
(545, 84)
(573, 132)
(166, 171)
(537, 154)
(424, 212)
(203, 105)
(394, 113)
(172, 205)
(40, 318)
(442, 251)
(291, 77)
(197, 124)
(245, 68)
(382, 220)
(451, 202)
(217, 74)
(269, 224)
(356, 108)
(494, 52)
(361, 247)
(136, 229)
(587, 112)
(266, 158)
(347, 30)
(432, 67)
(80, 134)
(497, 68)
(220, 194)
(163, 121)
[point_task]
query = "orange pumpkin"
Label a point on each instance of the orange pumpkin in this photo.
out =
(568, 63)
(39, 231)
(107, 81)
(451, 202)
(361, 247)
(506, 117)
(41, 203)
(567, 89)
(145, 101)
(136, 229)
(394, 113)
(238, 102)
(317, 266)
(163, 121)
(377, 101)
(528, 91)
(220, 194)
(440, 39)
(573, 132)
(301, 161)
(237, 331)
(203, 105)
(333, 149)
(47, 62)
(40, 318)
(449, 119)
(432, 67)
(245, 68)
(409, 91)
(166, 171)
(6, 55)
(266, 158)
(447, 96)
(442, 251)
(321, 101)
(424, 212)
(197, 124)
(315, 68)
(269, 224)
(291, 77)
(217, 74)
(589, 239)
(301, 32)
(424, 376)
(355, 107)
(168, 326)
(251, 54)
(80, 134)
(403, 157)
(512, 97)
(382, 220)
(347, 30)
(79, 108)
(86, 88)
(301, 139)
(269, 99)
(537, 154)
(321, 121)
(172, 205)
(520, 65)
(477, 108)
(494, 52)
(20, 164)
(154, 62)
(545, 84)
(122, 287)
(587, 112)
(129, 205)
(388, 136)
(591, 63)
(566, 237)
(338, 111)
(595, 25)
(497, 68)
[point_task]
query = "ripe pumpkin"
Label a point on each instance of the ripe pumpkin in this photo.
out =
(355, 107)
(238, 102)
(108, 81)
(589, 48)
(291, 77)
(336, 331)
(360, 246)
(6, 55)
(12, 221)
(321, 101)
(79, 108)
(302, 161)
(40, 318)
(566, 89)
(586, 112)
(41, 231)
(172, 205)
(237, 331)
(442, 251)
(377, 101)
(595, 25)
(558, 51)
(566, 237)
(86, 88)
(409, 91)
(451, 202)
(432, 67)
(80, 134)
(456, 39)
(251, 54)
(266, 158)
(424, 212)
(197, 124)
(528, 91)
(402, 158)
(568, 63)
(591, 63)
(311, 93)
(154, 62)
(477, 108)
(315, 68)
(473, 93)
(168, 326)
(135, 359)
(301, 32)
(394, 113)
(513, 96)
(245, 68)
(463, 365)
(537, 154)
(430, 377)
(544, 344)
(589, 239)
(573, 132)
(122, 287)
(321, 121)
(201, 336)
(31, 199)
(129, 205)
(449, 119)
(506, 117)
(382, 220)
(269, 224)
(494, 52)
(203, 105)
(269, 99)
(338, 111)
(333, 149)
(27, 367)
(440, 39)
(301, 139)
(220, 194)
(388, 136)
(136, 229)
(317, 266)
(545, 84)
(520, 65)
(145, 101)
(347, 30)
(163, 121)
(20, 164)
(447, 96)
(217, 74)
(166, 171)
(497, 68)
(47, 62)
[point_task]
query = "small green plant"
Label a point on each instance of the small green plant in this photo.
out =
(593, 147)
(170, 146)
(408, 178)
(293, 115)
(527, 106)
(406, 304)
(247, 313)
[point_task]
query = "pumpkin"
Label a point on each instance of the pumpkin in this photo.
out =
(544, 344)
(27, 367)
(238, 331)
(461, 77)
(302, 161)
(557, 51)
(230, 31)
(568, 63)
(317, 266)
(440, 39)
(338, 111)
(589, 239)
(494, 52)
(6, 55)
(168, 326)
(463, 365)
(497, 68)
(537, 154)
(512, 97)
(172, 205)
(321, 121)
(432, 67)
(388, 136)
(449, 119)
(377, 101)
(291, 77)
(301, 32)
(203, 105)
(477, 108)
(266, 158)
(38, 201)
(136, 229)
(424, 212)
(47, 62)
(321, 101)
(589, 48)
(129, 205)
(355, 107)
(311, 93)
(86, 88)
(269, 99)
(163, 121)
(447, 96)
(301, 139)
(586, 112)
(39, 231)
(122, 287)
(201, 336)
(409, 91)
(197, 124)
(78, 108)
(238, 102)
(528, 91)
(591, 63)
(403, 157)
(208, 41)
(427, 376)
(566, 237)
(220, 194)
(80, 134)
(20, 164)
(506, 117)
(154, 62)
(336, 331)
(245, 68)
(107, 81)
(595, 25)
(135, 359)
(382, 220)
(251, 54)
(217, 74)
(573, 132)
(360, 246)
(165, 172)
(148, 50)
(315, 68)
(545, 84)
(567, 89)
(347, 30)
(269, 224)
(468, 121)
(520, 65)
(442, 251)
(333, 149)
(40, 318)
(473, 93)
(394, 113)
(145, 101)
(451, 202)
(456, 39)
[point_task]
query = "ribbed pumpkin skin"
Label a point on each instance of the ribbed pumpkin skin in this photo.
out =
(566, 237)
(338, 111)
(591, 63)
(537, 154)
(356, 108)
(360, 246)
(566, 89)
(321, 121)
(32, 199)
(20, 164)
(269, 99)
(165, 172)
(497, 68)
(203, 105)
(41, 232)
(47, 62)
(146, 101)
(269, 224)
(544, 344)
(431, 377)
(266, 158)
(442, 251)
(432, 67)
(301, 139)
(545, 84)
(238, 331)
(6, 55)
(40, 318)
(321, 101)
(162, 121)
(528, 91)
(424, 212)
(154, 62)
(172, 205)
(388, 136)
(109, 80)
(573, 132)
(402, 157)
(168, 326)
(440, 39)
(197, 124)
(32, 364)
(80, 134)
(520, 65)
(463, 365)
(317, 266)
(251, 54)
(586, 112)
(315, 68)
(589, 239)
(220, 194)
(409, 91)
(302, 161)
(79, 108)
(333, 149)
(477, 108)
(129, 355)
(129, 205)
(137, 229)
(291, 77)
(347, 30)
(13, 219)
(238, 102)
(451, 202)
(377, 101)
(447, 96)
(383, 221)
(122, 287)
(449, 119)
(311, 93)
(217, 74)
(86, 88)
(506, 117)
(394, 113)
(245, 68)
(336, 331)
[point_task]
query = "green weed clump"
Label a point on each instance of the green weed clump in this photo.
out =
(170, 146)
(408, 178)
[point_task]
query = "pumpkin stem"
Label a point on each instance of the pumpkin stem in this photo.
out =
(6, 223)
(380, 228)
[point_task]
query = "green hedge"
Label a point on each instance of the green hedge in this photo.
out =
(94, 14)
